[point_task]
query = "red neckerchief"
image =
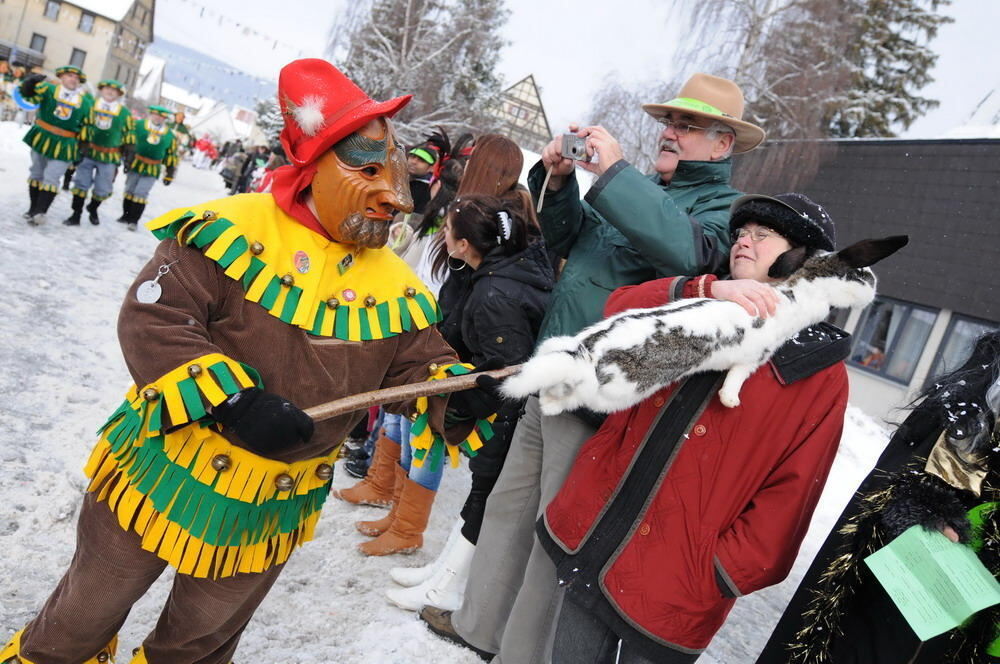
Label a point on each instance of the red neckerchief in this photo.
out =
(288, 183)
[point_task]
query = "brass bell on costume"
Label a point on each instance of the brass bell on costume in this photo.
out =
(324, 471)
(288, 281)
(284, 482)
(333, 303)
(194, 370)
(209, 215)
(150, 394)
(256, 248)
(102, 657)
(410, 291)
(432, 368)
(370, 301)
(222, 462)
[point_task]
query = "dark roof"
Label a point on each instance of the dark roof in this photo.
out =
(945, 194)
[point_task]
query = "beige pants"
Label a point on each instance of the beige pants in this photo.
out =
(200, 624)
(511, 601)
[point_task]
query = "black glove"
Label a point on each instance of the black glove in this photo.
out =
(266, 422)
(483, 400)
(28, 84)
(128, 154)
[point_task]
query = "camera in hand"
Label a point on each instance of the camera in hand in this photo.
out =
(574, 147)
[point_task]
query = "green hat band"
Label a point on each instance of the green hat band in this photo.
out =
(696, 105)
(111, 83)
(424, 154)
(161, 110)
(72, 69)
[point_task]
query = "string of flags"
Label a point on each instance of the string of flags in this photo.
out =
(207, 12)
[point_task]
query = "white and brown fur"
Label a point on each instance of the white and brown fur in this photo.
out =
(616, 363)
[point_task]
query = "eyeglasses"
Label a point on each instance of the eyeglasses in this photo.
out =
(680, 128)
(758, 234)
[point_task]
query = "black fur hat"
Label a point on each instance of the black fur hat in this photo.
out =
(802, 221)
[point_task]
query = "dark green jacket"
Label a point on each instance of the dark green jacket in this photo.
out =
(632, 228)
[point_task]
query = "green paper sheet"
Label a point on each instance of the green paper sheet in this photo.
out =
(936, 583)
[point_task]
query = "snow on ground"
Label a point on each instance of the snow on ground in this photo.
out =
(63, 375)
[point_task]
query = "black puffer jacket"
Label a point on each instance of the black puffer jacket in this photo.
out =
(497, 311)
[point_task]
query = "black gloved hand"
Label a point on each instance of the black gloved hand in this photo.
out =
(28, 84)
(266, 422)
(480, 401)
(169, 176)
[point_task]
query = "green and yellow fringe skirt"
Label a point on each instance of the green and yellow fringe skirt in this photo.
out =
(207, 507)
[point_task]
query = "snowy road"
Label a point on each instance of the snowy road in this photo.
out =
(63, 375)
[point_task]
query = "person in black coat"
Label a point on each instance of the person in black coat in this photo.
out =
(939, 471)
(493, 305)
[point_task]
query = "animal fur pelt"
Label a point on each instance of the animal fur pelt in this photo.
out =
(618, 362)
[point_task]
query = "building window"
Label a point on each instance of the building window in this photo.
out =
(958, 340)
(891, 337)
(77, 58)
(52, 9)
(86, 23)
(37, 43)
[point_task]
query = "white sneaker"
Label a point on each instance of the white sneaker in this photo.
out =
(414, 576)
(446, 588)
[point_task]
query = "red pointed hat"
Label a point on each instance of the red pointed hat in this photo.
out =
(321, 106)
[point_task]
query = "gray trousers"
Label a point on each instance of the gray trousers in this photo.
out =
(201, 623)
(47, 172)
(97, 173)
(137, 187)
(512, 599)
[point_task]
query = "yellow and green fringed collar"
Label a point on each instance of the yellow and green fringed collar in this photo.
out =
(300, 277)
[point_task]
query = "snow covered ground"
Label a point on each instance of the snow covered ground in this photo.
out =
(62, 375)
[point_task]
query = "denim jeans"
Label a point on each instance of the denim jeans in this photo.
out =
(397, 428)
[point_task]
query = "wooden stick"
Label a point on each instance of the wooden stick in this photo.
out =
(366, 400)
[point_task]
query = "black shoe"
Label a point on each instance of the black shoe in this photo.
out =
(357, 469)
(72, 220)
(439, 622)
(92, 211)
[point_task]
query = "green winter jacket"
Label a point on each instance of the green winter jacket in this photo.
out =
(632, 228)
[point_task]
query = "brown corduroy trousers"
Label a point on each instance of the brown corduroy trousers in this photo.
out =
(201, 623)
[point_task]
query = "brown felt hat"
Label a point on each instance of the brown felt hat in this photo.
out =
(714, 98)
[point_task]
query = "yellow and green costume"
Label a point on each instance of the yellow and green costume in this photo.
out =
(59, 118)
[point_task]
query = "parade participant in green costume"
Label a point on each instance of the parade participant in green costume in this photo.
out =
(108, 127)
(155, 151)
(53, 138)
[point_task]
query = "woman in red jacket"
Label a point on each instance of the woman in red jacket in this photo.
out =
(679, 504)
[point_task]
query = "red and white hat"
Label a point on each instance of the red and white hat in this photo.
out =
(321, 106)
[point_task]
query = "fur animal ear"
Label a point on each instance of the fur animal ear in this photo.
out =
(869, 252)
(788, 262)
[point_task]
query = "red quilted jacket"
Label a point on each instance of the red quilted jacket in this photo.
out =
(656, 534)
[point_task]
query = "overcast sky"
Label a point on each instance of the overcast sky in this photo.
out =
(569, 46)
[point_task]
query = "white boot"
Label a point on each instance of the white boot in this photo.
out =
(414, 576)
(446, 588)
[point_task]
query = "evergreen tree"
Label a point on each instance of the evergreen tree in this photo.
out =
(269, 118)
(443, 52)
(890, 62)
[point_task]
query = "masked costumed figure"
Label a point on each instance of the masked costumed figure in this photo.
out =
(155, 151)
(108, 128)
(939, 471)
(62, 109)
(202, 469)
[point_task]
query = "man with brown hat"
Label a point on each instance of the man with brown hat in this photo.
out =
(202, 469)
(630, 228)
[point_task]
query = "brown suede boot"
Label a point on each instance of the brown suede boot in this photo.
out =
(376, 489)
(406, 534)
(379, 526)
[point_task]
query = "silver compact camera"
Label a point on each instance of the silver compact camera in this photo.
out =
(574, 147)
